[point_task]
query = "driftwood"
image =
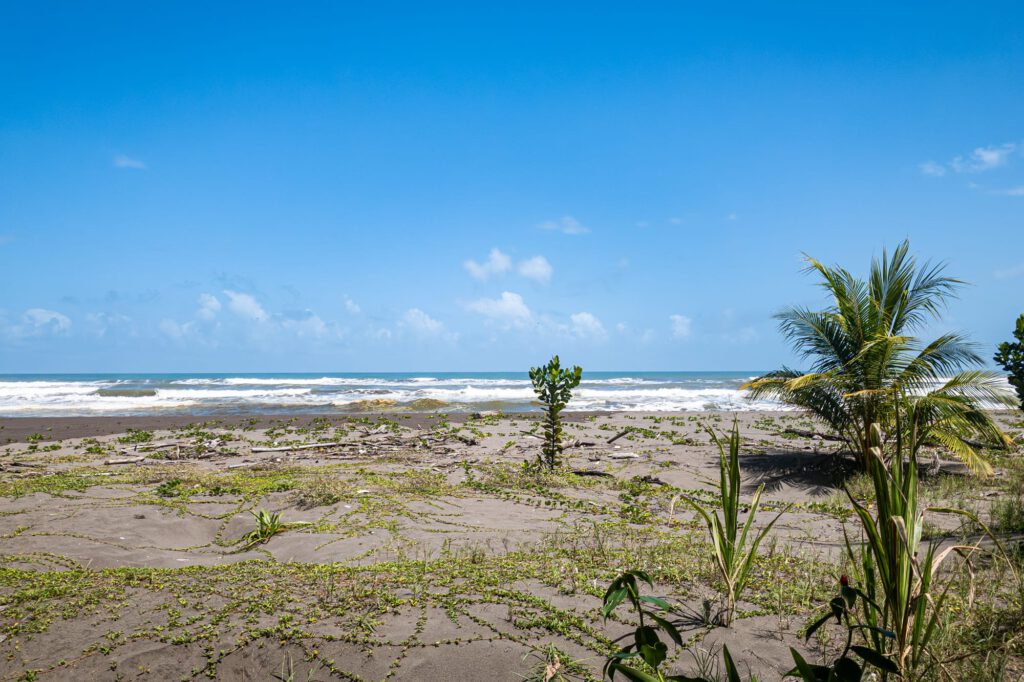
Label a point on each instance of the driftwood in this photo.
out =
(619, 435)
(591, 472)
(312, 446)
(158, 446)
(812, 434)
(126, 460)
(624, 455)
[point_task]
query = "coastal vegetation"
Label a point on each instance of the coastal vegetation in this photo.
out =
(865, 361)
(1010, 356)
(553, 386)
(734, 557)
(396, 559)
(892, 609)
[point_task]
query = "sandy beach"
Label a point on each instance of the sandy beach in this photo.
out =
(416, 547)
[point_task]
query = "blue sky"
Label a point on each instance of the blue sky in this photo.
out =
(330, 187)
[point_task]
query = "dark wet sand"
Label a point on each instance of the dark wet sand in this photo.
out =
(17, 429)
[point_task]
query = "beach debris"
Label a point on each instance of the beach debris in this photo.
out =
(310, 446)
(125, 460)
(809, 434)
(619, 435)
(145, 447)
(592, 472)
(624, 455)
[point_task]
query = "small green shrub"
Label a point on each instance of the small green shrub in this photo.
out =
(553, 386)
(1010, 356)
(647, 645)
(845, 667)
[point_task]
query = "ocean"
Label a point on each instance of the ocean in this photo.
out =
(55, 395)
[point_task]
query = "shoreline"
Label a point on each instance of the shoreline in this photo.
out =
(18, 429)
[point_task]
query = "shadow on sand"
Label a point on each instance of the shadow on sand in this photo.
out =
(815, 473)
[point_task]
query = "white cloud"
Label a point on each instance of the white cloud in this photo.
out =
(175, 330)
(306, 324)
(245, 306)
(40, 321)
(682, 326)
(537, 268)
(101, 323)
(352, 307)
(509, 308)
(123, 161)
(587, 326)
(566, 225)
(209, 306)
(1011, 272)
(675, 221)
(421, 323)
(497, 263)
(979, 160)
(983, 159)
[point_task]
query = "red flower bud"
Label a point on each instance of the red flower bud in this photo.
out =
(844, 581)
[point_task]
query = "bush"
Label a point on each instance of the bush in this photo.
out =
(1010, 357)
(553, 386)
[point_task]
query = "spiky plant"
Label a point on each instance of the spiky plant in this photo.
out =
(268, 524)
(735, 548)
(864, 358)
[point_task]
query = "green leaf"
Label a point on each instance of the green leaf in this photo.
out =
(730, 668)
(629, 673)
(876, 659)
(612, 600)
(816, 625)
(668, 627)
(847, 670)
(657, 601)
(803, 670)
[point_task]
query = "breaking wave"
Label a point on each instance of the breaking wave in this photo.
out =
(69, 395)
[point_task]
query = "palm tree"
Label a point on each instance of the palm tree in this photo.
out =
(865, 360)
